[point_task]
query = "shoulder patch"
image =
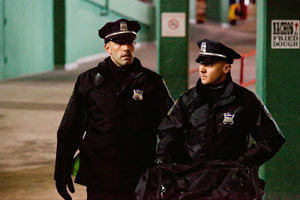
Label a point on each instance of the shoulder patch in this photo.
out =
(268, 113)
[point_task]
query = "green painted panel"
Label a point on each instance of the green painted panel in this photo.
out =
(192, 7)
(82, 23)
(217, 10)
(278, 82)
(157, 23)
(173, 64)
(260, 58)
(2, 39)
(224, 10)
(28, 37)
(139, 11)
(133, 9)
(59, 33)
(282, 172)
(83, 19)
(173, 51)
(261, 46)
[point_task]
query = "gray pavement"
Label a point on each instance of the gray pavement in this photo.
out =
(31, 109)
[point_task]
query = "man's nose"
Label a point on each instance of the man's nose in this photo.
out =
(125, 47)
(202, 68)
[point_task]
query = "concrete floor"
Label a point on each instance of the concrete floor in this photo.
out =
(31, 109)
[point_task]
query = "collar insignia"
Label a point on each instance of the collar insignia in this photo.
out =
(137, 95)
(228, 118)
(123, 26)
(203, 47)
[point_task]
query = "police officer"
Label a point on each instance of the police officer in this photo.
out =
(118, 105)
(213, 121)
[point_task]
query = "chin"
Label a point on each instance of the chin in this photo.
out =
(128, 62)
(204, 82)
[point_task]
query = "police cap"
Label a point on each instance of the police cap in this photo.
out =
(121, 28)
(215, 50)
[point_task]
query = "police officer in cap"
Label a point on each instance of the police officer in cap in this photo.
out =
(212, 123)
(111, 118)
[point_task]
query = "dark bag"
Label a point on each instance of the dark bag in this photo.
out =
(213, 180)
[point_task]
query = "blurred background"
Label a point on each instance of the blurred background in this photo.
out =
(46, 44)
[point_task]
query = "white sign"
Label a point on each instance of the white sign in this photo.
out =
(173, 24)
(285, 34)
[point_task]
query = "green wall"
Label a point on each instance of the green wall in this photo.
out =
(26, 38)
(84, 18)
(217, 10)
(192, 9)
(278, 84)
(173, 68)
(40, 33)
(1, 39)
(59, 33)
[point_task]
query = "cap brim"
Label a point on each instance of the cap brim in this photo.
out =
(121, 33)
(201, 57)
(124, 36)
(237, 56)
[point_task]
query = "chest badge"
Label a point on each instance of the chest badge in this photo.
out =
(228, 118)
(137, 95)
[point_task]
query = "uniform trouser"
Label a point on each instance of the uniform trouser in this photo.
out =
(94, 194)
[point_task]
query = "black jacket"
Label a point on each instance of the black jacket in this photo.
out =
(208, 130)
(119, 123)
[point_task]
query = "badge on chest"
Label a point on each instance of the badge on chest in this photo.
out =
(137, 95)
(228, 118)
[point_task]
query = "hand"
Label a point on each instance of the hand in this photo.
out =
(61, 185)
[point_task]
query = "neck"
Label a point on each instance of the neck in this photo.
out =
(114, 62)
(224, 81)
(218, 85)
(217, 90)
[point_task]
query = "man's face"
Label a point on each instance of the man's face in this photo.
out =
(213, 72)
(121, 51)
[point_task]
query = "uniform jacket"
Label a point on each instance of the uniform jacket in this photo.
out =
(219, 130)
(208, 139)
(119, 125)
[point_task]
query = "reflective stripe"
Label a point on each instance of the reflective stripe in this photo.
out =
(213, 54)
(121, 32)
(166, 87)
(268, 113)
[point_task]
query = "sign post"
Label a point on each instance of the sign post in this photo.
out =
(277, 82)
(285, 34)
(172, 40)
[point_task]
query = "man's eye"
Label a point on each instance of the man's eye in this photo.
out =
(206, 63)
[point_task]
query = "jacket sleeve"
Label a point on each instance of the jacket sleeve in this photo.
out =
(268, 138)
(70, 133)
(171, 133)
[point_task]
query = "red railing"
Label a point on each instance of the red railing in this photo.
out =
(243, 56)
(242, 66)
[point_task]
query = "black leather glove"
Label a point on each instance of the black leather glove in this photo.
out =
(61, 185)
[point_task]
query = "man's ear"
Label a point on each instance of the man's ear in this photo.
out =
(107, 48)
(227, 68)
